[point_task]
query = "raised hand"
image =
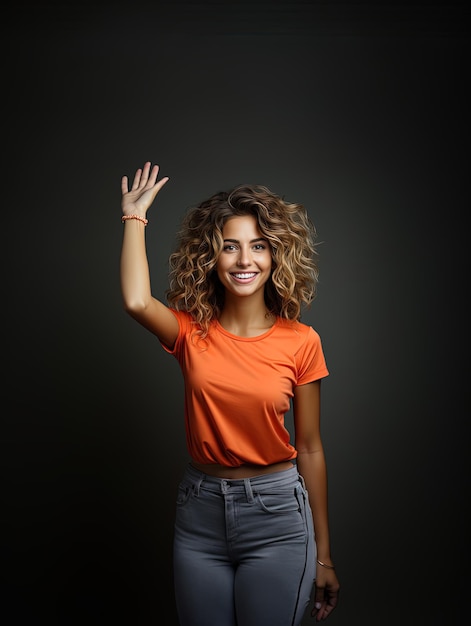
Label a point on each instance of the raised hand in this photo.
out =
(145, 187)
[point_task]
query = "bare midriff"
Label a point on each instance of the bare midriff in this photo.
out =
(243, 471)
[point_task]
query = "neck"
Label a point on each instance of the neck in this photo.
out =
(243, 317)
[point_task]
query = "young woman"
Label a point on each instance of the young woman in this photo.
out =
(251, 529)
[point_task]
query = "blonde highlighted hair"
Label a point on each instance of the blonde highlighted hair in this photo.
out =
(194, 285)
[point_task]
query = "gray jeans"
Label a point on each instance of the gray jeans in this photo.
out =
(244, 550)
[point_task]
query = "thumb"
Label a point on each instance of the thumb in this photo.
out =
(319, 597)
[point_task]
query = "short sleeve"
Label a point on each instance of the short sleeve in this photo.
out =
(310, 360)
(184, 323)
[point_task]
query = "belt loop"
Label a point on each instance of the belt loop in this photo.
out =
(197, 486)
(301, 480)
(248, 490)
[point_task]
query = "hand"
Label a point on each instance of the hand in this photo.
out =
(144, 189)
(326, 593)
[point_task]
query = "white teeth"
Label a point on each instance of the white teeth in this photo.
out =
(251, 275)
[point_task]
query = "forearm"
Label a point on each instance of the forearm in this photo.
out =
(312, 467)
(134, 267)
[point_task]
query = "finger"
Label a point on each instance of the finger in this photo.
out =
(137, 179)
(315, 609)
(319, 611)
(158, 186)
(145, 175)
(162, 182)
(323, 609)
(319, 596)
(153, 176)
(124, 185)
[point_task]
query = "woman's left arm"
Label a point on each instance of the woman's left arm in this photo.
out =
(312, 467)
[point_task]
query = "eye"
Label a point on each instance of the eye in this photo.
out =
(260, 246)
(229, 247)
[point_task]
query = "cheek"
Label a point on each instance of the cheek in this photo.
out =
(221, 269)
(269, 262)
(220, 265)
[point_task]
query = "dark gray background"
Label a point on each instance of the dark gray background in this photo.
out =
(358, 110)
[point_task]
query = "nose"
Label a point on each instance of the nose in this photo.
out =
(244, 257)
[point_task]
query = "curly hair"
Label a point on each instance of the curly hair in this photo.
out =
(194, 285)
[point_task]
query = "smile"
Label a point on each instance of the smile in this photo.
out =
(244, 275)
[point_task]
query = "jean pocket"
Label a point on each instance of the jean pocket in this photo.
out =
(279, 503)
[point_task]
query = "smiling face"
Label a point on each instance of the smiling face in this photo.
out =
(245, 263)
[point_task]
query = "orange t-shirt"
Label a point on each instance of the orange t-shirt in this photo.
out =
(238, 389)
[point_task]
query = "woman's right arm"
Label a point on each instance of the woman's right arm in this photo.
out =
(134, 267)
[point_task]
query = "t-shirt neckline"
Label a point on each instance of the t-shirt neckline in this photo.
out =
(225, 332)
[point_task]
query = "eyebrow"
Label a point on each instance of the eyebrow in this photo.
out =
(251, 241)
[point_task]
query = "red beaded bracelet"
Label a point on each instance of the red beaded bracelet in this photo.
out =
(135, 217)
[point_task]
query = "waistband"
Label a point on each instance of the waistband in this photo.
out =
(255, 484)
